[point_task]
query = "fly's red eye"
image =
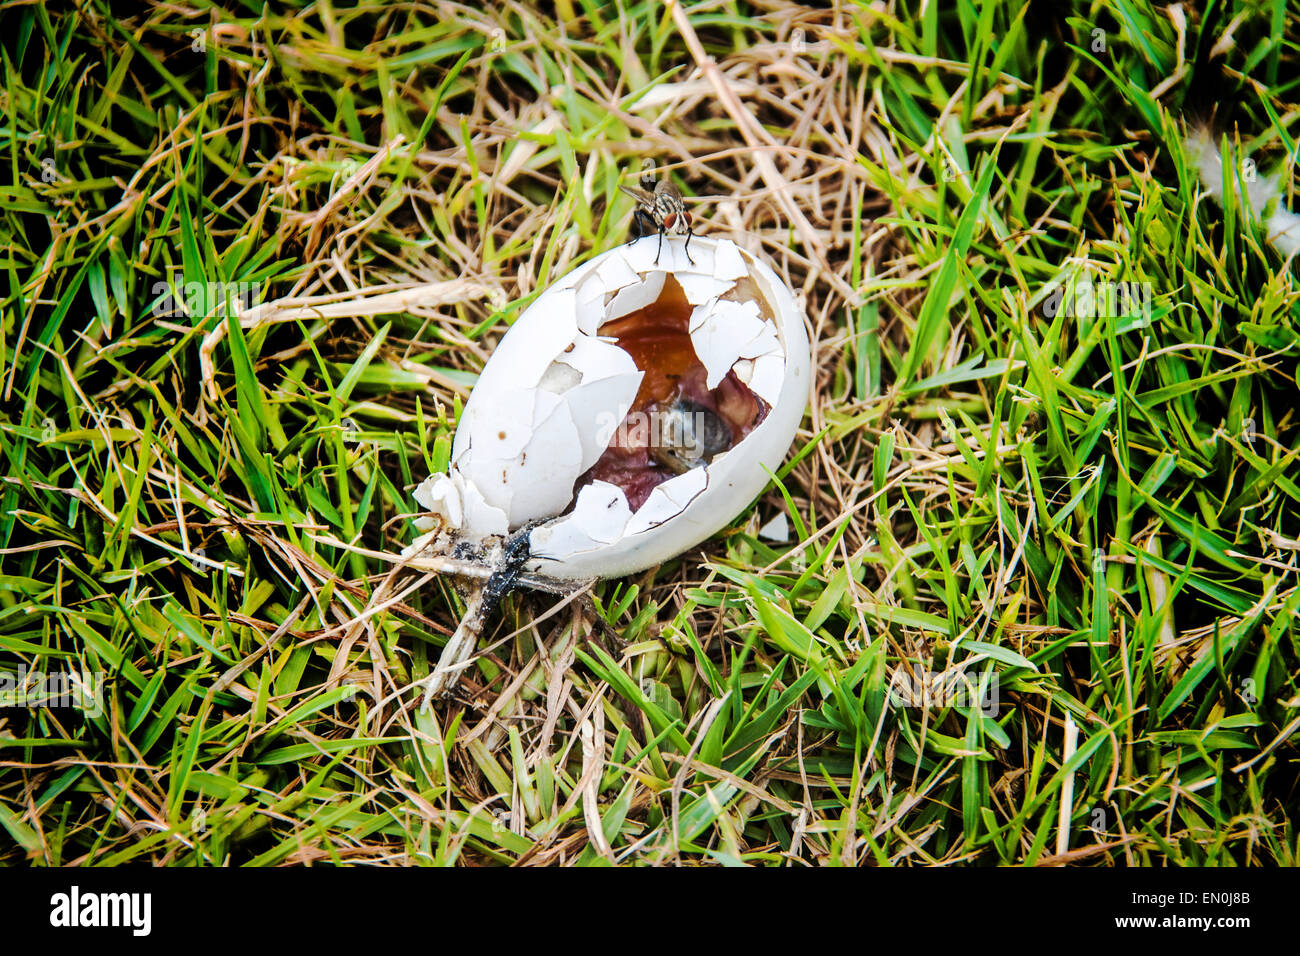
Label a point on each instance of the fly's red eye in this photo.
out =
(688, 218)
(670, 219)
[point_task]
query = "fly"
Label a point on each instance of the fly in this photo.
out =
(659, 208)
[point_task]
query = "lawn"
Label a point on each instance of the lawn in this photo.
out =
(1038, 604)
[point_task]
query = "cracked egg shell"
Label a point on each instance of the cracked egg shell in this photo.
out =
(564, 428)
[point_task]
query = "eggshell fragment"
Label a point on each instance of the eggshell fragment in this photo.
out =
(778, 529)
(668, 500)
(615, 273)
(595, 358)
(599, 518)
(636, 296)
(529, 352)
(701, 288)
(551, 403)
(768, 378)
(459, 504)
(720, 330)
(597, 409)
(730, 263)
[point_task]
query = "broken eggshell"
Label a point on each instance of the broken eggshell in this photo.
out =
(563, 429)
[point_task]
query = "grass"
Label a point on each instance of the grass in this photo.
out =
(1092, 519)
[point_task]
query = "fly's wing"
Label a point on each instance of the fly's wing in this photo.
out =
(643, 220)
(642, 197)
(665, 187)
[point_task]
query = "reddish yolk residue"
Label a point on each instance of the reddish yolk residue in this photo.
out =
(658, 338)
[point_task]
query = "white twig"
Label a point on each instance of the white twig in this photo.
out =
(455, 656)
(335, 306)
(1067, 788)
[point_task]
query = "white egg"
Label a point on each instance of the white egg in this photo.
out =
(632, 411)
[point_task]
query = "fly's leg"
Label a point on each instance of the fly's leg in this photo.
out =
(642, 223)
(688, 248)
(661, 246)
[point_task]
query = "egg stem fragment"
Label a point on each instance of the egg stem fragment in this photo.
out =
(456, 654)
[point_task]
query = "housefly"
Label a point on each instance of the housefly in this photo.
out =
(659, 208)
